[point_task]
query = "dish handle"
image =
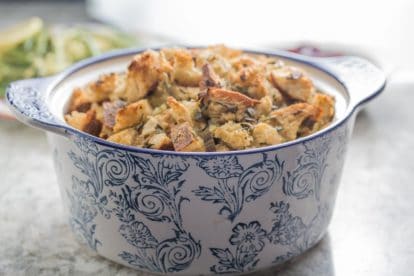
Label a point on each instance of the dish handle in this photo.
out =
(363, 80)
(27, 101)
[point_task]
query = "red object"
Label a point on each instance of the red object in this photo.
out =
(309, 50)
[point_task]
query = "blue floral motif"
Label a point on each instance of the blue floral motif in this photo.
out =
(136, 190)
(306, 178)
(158, 186)
(157, 197)
(83, 211)
(138, 234)
(221, 167)
(249, 237)
(87, 163)
(28, 101)
(236, 185)
(286, 228)
(154, 196)
(122, 209)
(290, 231)
(140, 260)
(170, 162)
(249, 242)
(177, 253)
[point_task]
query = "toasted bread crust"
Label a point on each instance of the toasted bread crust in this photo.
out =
(184, 138)
(132, 114)
(293, 83)
(222, 95)
(290, 118)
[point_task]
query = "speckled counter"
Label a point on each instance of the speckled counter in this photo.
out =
(372, 230)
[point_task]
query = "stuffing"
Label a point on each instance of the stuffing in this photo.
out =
(110, 109)
(231, 97)
(81, 101)
(294, 83)
(150, 127)
(184, 70)
(290, 118)
(160, 141)
(254, 83)
(103, 88)
(86, 122)
(126, 137)
(265, 134)
(143, 74)
(183, 93)
(264, 106)
(179, 112)
(222, 105)
(233, 135)
(209, 78)
(326, 106)
(184, 138)
(132, 114)
(202, 99)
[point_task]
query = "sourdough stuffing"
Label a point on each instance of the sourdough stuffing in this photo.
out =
(212, 99)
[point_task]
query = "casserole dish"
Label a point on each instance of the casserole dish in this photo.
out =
(206, 212)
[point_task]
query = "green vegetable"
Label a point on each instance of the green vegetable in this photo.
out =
(30, 50)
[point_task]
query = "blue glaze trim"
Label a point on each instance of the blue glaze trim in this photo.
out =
(66, 130)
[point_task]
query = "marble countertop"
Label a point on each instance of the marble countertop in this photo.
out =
(371, 233)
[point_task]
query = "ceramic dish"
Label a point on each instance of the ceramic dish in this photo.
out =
(198, 213)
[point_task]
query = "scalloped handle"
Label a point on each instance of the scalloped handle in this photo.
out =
(363, 80)
(27, 100)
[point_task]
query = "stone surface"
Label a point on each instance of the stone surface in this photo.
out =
(371, 232)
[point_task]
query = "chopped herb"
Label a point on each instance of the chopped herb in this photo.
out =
(159, 129)
(251, 112)
(148, 146)
(308, 123)
(166, 86)
(139, 126)
(198, 116)
(241, 89)
(250, 120)
(246, 126)
(203, 109)
(208, 140)
(232, 108)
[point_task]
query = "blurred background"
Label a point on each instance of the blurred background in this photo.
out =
(380, 29)
(372, 228)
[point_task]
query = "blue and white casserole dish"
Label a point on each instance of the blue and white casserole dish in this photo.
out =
(198, 213)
